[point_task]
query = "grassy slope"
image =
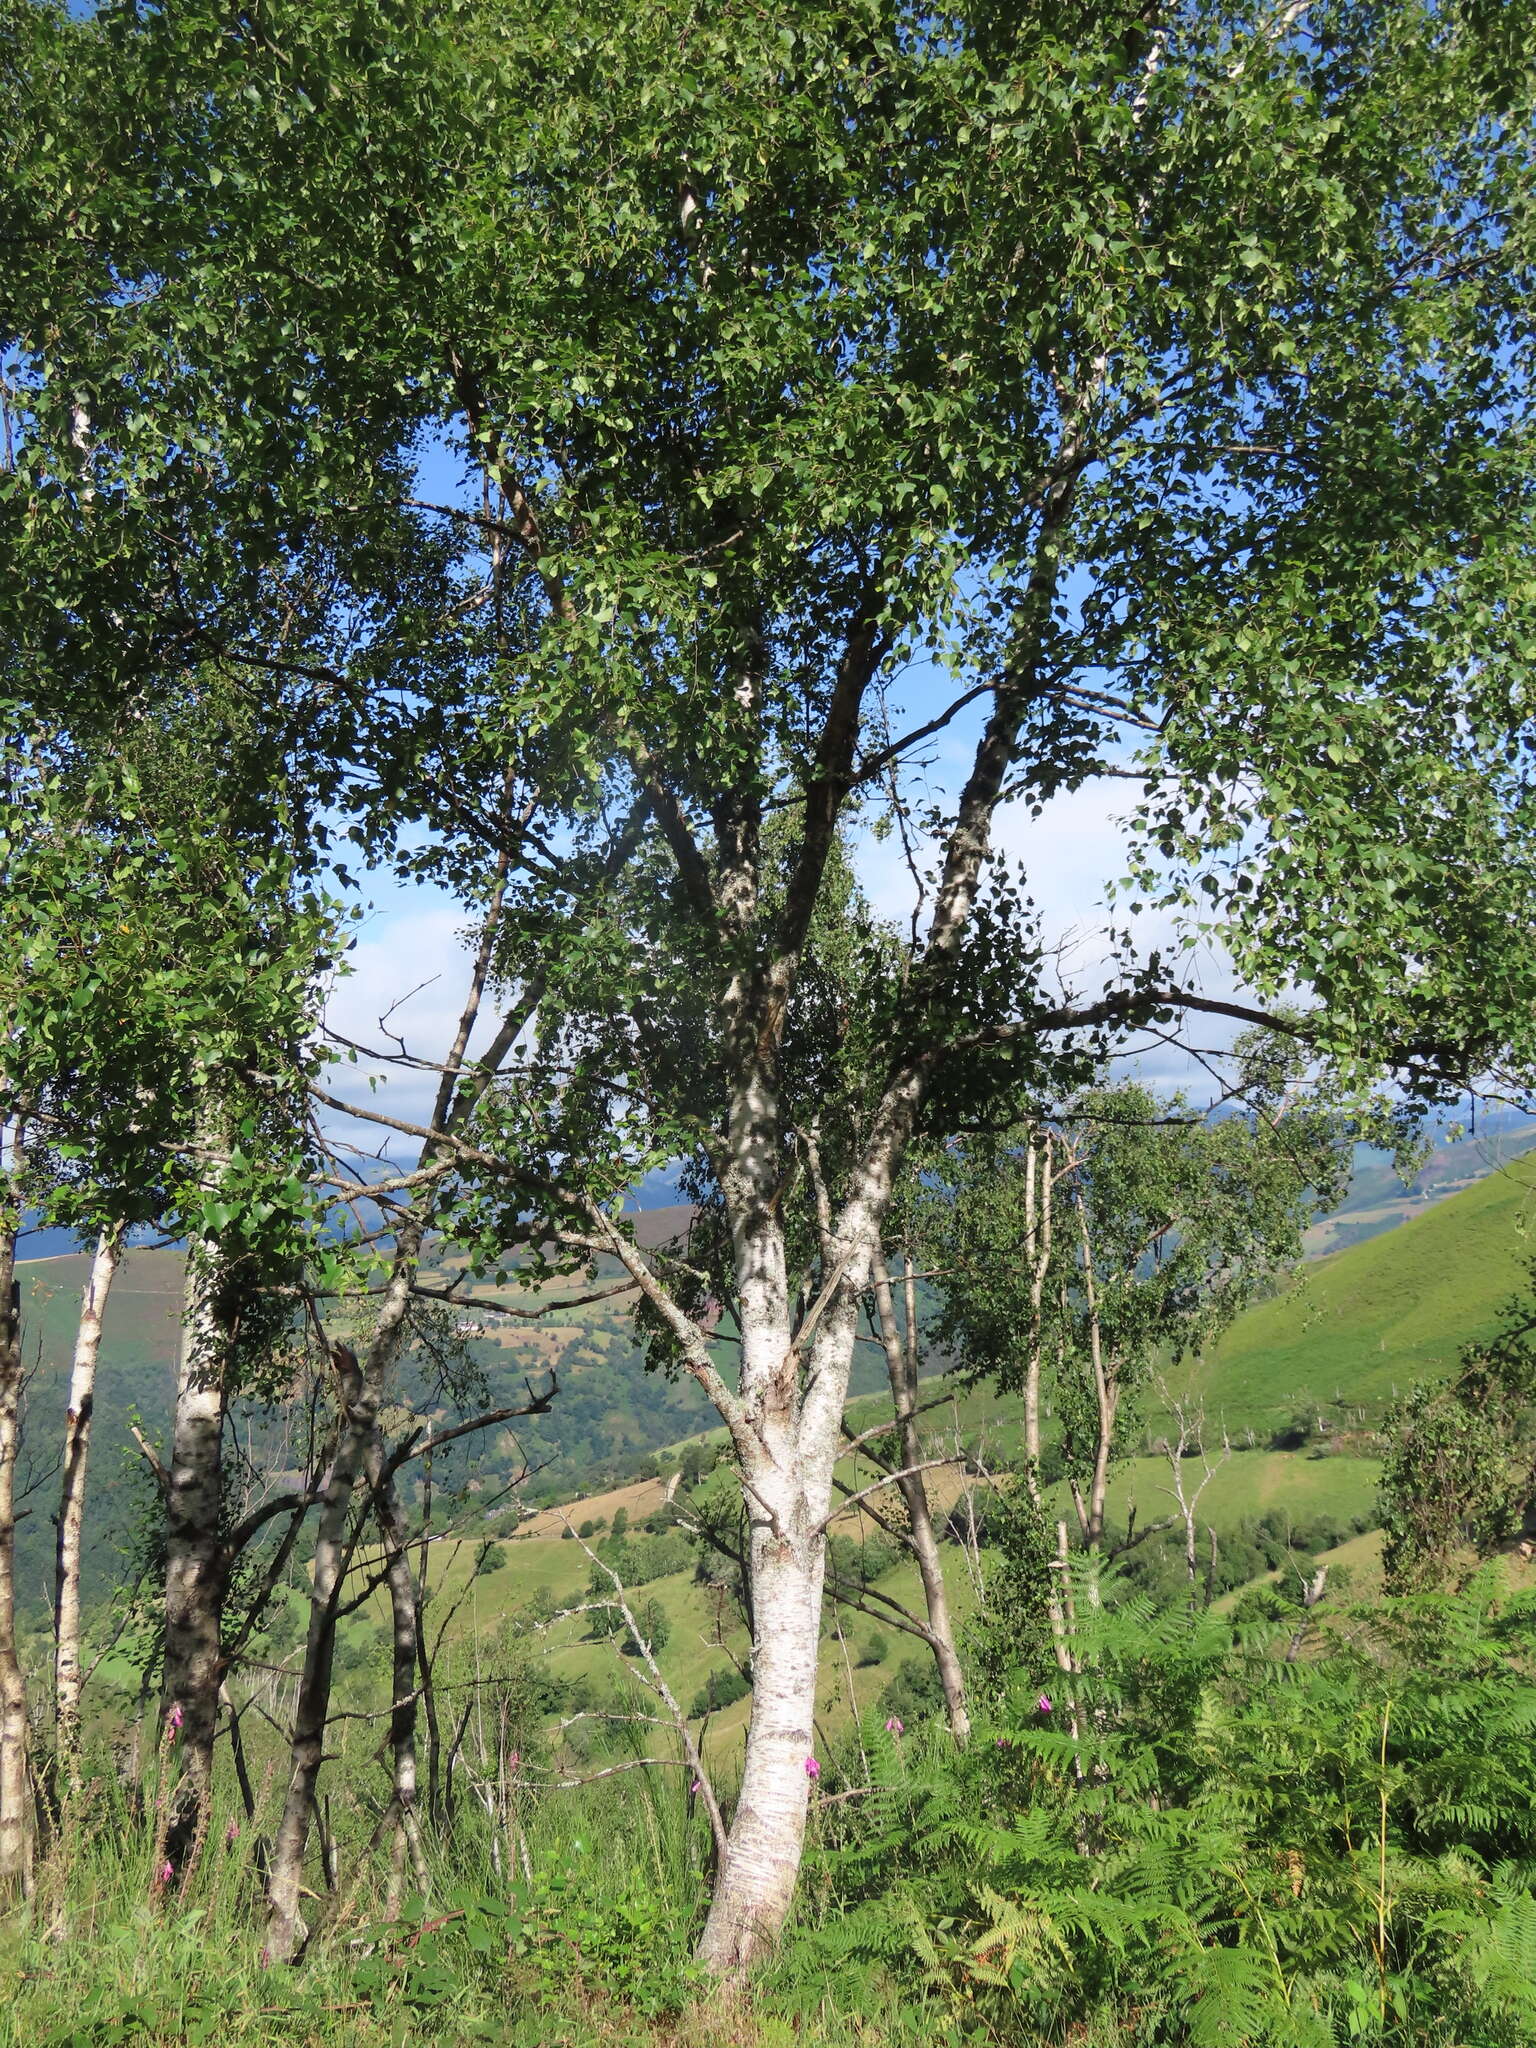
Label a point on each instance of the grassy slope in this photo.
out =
(540, 1559)
(1381, 1314)
(1251, 1484)
(1376, 1315)
(611, 1414)
(137, 1378)
(1379, 1200)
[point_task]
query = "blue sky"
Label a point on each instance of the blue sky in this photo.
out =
(410, 947)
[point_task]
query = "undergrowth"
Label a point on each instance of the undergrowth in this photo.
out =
(1203, 1836)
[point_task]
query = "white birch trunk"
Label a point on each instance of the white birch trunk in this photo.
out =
(16, 1829)
(788, 1434)
(67, 1675)
(756, 1884)
(787, 1555)
(787, 1477)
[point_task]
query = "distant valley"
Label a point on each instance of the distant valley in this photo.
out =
(1397, 1281)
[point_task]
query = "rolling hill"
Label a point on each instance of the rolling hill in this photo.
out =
(1351, 1328)
(1378, 1199)
(1357, 1326)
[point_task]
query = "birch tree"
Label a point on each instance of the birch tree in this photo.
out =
(1082, 1252)
(16, 1824)
(68, 1676)
(1088, 395)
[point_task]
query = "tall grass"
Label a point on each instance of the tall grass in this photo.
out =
(1198, 1839)
(574, 1925)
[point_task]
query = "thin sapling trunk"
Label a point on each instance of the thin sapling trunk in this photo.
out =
(901, 1366)
(67, 1671)
(358, 1400)
(16, 1818)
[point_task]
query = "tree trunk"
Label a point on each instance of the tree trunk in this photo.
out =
(362, 1393)
(67, 1677)
(787, 1457)
(196, 1570)
(429, 1712)
(361, 1396)
(1039, 1247)
(763, 1850)
(16, 1831)
(1106, 1394)
(358, 1397)
(901, 1367)
(787, 1434)
(407, 1648)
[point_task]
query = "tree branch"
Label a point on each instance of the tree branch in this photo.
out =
(888, 1479)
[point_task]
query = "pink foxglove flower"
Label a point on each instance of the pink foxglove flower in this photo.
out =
(175, 1717)
(812, 1768)
(515, 1761)
(167, 1872)
(697, 1786)
(1044, 1703)
(232, 1832)
(895, 1725)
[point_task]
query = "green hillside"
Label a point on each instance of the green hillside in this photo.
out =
(1382, 1314)
(610, 1417)
(1351, 1328)
(137, 1379)
(1379, 1199)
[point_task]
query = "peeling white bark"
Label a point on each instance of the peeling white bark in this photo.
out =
(787, 1467)
(67, 1675)
(16, 1828)
(786, 1425)
(757, 1882)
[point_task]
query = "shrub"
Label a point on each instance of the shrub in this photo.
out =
(654, 1626)
(915, 1692)
(1298, 1432)
(720, 1689)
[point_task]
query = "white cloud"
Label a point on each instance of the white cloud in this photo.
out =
(409, 965)
(407, 977)
(1068, 857)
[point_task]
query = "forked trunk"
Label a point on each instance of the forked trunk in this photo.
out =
(786, 1422)
(358, 1398)
(196, 1570)
(67, 1678)
(360, 1393)
(787, 1477)
(16, 1832)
